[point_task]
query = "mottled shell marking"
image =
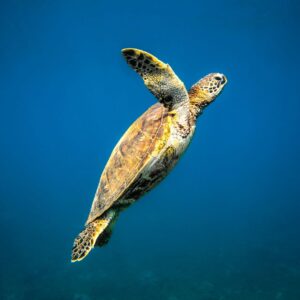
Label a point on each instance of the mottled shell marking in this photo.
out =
(142, 142)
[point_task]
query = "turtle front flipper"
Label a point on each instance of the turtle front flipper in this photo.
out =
(87, 238)
(159, 78)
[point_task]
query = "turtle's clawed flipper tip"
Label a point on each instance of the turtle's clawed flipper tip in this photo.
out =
(87, 238)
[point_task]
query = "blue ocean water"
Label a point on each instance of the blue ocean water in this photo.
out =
(225, 223)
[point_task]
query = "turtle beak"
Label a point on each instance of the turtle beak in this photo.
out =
(223, 80)
(220, 78)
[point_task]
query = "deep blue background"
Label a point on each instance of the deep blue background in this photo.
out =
(224, 225)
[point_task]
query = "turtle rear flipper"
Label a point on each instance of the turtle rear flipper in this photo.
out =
(87, 238)
(105, 236)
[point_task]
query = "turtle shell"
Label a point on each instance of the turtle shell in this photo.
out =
(141, 142)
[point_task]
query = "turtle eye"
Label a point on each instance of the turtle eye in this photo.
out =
(217, 78)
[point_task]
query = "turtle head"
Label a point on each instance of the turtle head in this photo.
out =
(206, 90)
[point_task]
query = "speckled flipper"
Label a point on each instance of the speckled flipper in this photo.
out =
(105, 236)
(87, 238)
(158, 77)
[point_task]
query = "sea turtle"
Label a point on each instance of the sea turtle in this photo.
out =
(150, 148)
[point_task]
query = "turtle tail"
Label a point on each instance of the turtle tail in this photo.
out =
(91, 235)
